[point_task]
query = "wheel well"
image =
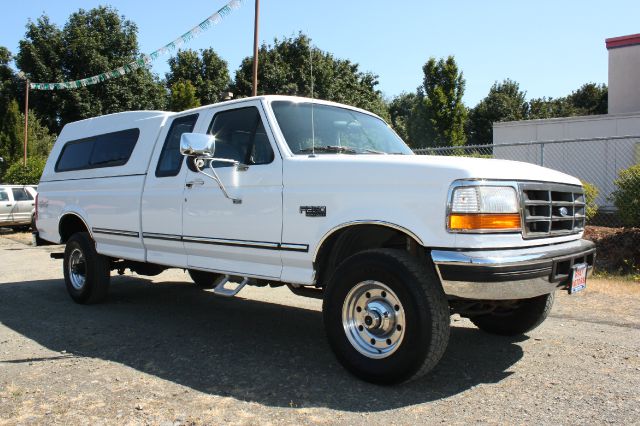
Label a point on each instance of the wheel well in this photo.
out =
(355, 238)
(69, 225)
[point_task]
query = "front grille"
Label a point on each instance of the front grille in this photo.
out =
(552, 209)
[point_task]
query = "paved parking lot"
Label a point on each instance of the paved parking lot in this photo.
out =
(163, 352)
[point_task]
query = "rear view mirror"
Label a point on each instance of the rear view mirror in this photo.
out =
(197, 144)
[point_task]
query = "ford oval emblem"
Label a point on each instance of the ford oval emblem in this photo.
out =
(564, 212)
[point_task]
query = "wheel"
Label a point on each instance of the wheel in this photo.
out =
(203, 279)
(528, 314)
(86, 273)
(386, 316)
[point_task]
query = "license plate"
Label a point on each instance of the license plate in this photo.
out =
(578, 278)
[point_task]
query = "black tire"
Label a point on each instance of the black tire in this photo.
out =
(422, 303)
(203, 279)
(529, 314)
(81, 256)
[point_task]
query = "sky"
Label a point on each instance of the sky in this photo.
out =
(549, 47)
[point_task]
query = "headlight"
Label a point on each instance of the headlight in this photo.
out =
(483, 208)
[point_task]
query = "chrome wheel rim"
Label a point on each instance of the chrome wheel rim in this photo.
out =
(77, 269)
(373, 319)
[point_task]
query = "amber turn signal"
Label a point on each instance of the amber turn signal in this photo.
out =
(484, 221)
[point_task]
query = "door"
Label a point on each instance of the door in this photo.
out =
(24, 205)
(239, 238)
(162, 199)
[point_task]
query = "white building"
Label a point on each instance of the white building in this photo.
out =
(594, 148)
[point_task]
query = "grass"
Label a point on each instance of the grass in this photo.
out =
(614, 285)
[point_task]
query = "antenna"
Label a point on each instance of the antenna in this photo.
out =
(313, 132)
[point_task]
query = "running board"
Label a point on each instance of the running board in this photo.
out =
(220, 289)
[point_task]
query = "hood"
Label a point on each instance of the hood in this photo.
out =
(457, 167)
(484, 168)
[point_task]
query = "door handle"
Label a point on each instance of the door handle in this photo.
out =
(193, 183)
(9, 205)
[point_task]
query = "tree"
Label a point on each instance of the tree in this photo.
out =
(10, 133)
(7, 80)
(18, 174)
(183, 96)
(505, 102)
(40, 140)
(207, 72)
(7, 95)
(439, 114)
(590, 99)
(285, 68)
(91, 42)
(400, 114)
(550, 108)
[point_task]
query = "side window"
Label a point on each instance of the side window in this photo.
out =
(19, 194)
(241, 136)
(107, 150)
(171, 160)
(4, 196)
(114, 149)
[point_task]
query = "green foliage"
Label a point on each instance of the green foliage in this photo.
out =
(183, 96)
(8, 81)
(9, 109)
(590, 194)
(590, 99)
(205, 70)
(626, 196)
(400, 110)
(40, 141)
(19, 174)
(90, 43)
(439, 115)
(285, 69)
(505, 102)
(11, 129)
(540, 108)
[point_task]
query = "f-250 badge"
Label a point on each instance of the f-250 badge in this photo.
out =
(314, 211)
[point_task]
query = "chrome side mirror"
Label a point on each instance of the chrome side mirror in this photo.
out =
(197, 144)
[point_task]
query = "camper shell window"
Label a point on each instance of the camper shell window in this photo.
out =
(106, 150)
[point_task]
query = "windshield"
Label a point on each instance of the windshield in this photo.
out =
(335, 130)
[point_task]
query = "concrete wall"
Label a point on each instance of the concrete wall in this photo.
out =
(624, 79)
(594, 161)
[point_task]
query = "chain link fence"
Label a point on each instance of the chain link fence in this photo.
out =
(610, 166)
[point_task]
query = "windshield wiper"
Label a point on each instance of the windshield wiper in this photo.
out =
(328, 148)
(373, 151)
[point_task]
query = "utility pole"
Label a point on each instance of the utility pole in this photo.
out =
(255, 49)
(24, 77)
(26, 117)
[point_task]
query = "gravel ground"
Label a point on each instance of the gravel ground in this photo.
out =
(162, 352)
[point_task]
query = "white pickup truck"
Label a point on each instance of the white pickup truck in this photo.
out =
(328, 200)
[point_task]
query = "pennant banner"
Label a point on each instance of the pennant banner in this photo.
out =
(212, 20)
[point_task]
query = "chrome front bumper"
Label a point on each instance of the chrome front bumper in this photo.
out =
(510, 273)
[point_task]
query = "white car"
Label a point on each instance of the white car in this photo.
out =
(17, 205)
(328, 200)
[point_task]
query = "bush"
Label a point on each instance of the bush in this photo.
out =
(627, 195)
(590, 194)
(19, 174)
